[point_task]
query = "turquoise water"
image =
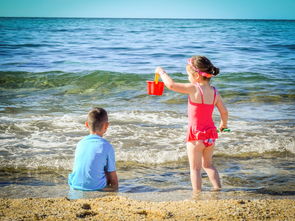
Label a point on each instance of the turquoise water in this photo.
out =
(52, 71)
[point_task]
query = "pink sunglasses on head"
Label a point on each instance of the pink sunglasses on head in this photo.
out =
(204, 74)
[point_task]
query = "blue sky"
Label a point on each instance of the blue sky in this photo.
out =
(227, 9)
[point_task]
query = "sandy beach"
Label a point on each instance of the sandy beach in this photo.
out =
(122, 208)
(54, 70)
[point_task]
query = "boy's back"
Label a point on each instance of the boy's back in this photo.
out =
(93, 157)
(94, 166)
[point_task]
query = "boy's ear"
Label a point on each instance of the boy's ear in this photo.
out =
(106, 125)
(86, 124)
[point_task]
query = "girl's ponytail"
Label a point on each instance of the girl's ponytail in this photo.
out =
(214, 70)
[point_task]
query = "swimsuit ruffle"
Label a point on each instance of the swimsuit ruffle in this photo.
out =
(202, 135)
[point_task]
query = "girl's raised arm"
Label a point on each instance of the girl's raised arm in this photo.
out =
(185, 88)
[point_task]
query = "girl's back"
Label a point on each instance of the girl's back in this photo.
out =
(208, 94)
(200, 109)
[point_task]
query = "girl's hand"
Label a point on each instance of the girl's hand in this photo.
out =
(159, 70)
(222, 127)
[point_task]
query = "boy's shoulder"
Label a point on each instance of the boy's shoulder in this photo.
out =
(94, 138)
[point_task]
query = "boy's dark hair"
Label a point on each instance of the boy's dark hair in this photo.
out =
(96, 118)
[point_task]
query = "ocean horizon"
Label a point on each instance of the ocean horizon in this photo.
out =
(167, 18)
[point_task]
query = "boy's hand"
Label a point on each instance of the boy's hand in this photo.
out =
(112, 181)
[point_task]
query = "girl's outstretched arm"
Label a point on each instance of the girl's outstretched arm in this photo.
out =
(223, 112)
(185, 88)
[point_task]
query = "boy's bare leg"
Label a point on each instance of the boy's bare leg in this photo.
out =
(207, 165)
(194, 152)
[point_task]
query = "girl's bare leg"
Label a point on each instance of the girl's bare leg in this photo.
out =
(207, 165)
(194, 152)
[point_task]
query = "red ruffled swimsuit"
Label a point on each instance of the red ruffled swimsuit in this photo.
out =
(200, 122)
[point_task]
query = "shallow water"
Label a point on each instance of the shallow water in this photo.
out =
(52, 71)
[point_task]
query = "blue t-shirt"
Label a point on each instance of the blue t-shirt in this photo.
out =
(93, 157)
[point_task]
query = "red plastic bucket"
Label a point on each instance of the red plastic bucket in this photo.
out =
(155, 88)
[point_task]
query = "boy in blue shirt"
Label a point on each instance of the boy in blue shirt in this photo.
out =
(94, 166)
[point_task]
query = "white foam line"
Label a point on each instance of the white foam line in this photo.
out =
(145, 137)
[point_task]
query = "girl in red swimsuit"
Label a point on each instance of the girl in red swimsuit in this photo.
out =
(201, 132)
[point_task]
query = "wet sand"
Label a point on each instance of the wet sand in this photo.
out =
(122, 208)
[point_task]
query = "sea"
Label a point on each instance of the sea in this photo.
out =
(54, 70)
